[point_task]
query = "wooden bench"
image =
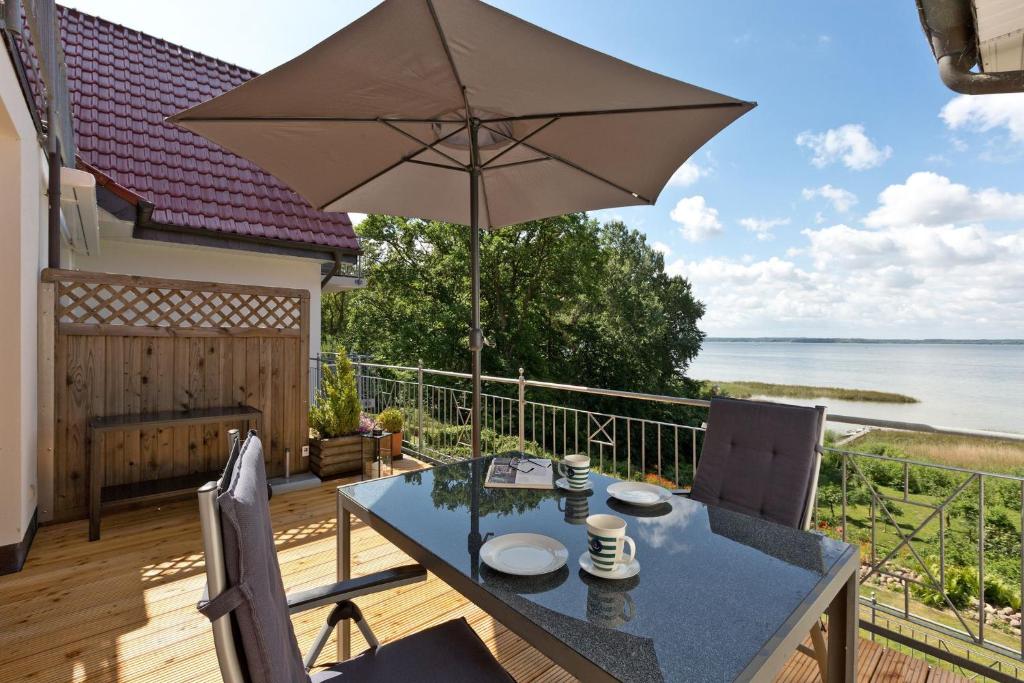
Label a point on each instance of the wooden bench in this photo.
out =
(94, 466)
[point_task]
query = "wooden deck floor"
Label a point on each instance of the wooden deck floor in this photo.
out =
(123, 608)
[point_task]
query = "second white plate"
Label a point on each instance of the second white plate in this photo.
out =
(639, 493)
(524, 554)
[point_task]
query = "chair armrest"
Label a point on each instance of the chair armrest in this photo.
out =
(334, 593)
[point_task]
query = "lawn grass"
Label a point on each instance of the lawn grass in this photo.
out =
(971, 452)
(748, 389)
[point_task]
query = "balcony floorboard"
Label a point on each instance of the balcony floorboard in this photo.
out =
(123, 608)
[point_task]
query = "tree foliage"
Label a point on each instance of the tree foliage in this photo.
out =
(566, 298)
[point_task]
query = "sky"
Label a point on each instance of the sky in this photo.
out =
(860, 198)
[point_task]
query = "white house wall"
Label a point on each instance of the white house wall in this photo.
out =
(22, 224)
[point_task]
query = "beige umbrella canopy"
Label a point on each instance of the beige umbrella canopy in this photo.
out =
(454, 110)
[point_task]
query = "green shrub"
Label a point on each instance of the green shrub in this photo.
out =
(961, 586)
(998, 593)
(336, 412)
(391, 420)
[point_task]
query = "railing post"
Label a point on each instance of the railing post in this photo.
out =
(522, 412)
(419, 407)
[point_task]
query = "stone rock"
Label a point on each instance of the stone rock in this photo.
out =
(1006, 611)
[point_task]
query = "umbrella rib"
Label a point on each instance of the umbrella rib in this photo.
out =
(406, 158)
(516, 163)
(307, 119)
(436, 165)
(574, 165)
(451, 59)
(518, 141)
(630, 110)
(428, 145)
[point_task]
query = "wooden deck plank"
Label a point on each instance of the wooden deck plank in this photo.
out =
(123, 608)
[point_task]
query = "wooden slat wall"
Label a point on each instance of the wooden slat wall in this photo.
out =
(127, 344)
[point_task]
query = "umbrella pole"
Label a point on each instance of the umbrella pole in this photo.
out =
(475, 333)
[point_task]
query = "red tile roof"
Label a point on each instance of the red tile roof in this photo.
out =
(123, 83)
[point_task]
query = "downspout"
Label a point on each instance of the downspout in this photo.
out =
(53, 192)
(967, 82)
(334, 271)
(950, 28)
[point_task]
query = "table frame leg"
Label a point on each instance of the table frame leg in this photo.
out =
(344, 574)
(843, 618)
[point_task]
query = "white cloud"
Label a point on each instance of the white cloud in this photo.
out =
(840, 199)
(898, 276)
(848, 143)
(698, 220)
(762, 227)
(928, 198)
(687, 174)
(662, 248)
(824, 39)
(984, 113)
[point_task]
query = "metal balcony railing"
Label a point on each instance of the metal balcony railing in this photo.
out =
(930, 534)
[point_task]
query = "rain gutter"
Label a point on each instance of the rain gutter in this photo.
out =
(950, 28)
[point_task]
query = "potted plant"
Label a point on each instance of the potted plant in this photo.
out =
(335, 448)
(392, 420)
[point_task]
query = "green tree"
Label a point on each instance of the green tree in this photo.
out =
(566, 298)
(830, 495)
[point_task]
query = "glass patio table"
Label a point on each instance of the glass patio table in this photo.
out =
(720, 596)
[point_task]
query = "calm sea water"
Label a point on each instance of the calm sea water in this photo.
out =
(975, 386)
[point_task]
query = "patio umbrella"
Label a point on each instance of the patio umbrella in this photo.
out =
(456, 111)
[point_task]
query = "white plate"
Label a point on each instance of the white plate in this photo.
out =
(639, 493)
(621, 571)
(563, 484)
(524, 554)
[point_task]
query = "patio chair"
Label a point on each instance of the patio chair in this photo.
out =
(762, 459)
(250, 612)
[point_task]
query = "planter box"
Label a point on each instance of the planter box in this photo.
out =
(329, 458)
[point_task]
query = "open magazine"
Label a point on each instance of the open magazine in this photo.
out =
(520, 473)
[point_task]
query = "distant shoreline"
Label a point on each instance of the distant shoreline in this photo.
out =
(858, 340)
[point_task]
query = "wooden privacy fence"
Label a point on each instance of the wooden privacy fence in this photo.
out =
(125, 345)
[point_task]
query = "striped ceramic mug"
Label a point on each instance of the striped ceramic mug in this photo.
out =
(576, 470)
(607, 541)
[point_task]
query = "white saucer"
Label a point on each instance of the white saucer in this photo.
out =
(639, 493)
(563, 484)
(524, 554)
(622, 571)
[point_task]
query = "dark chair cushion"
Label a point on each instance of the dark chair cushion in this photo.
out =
(446, 653)
(759, 458)
(262, 621)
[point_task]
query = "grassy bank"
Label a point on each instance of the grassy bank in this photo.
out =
(990, 455)
(748, 389)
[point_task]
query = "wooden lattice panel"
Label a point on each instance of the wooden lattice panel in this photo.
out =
(130, 345)
(154, 305)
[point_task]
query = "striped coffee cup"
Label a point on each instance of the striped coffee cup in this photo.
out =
(607, 541)
(576, 470)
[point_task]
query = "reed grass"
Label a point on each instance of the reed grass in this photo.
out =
(748, 389)
(976, 453)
